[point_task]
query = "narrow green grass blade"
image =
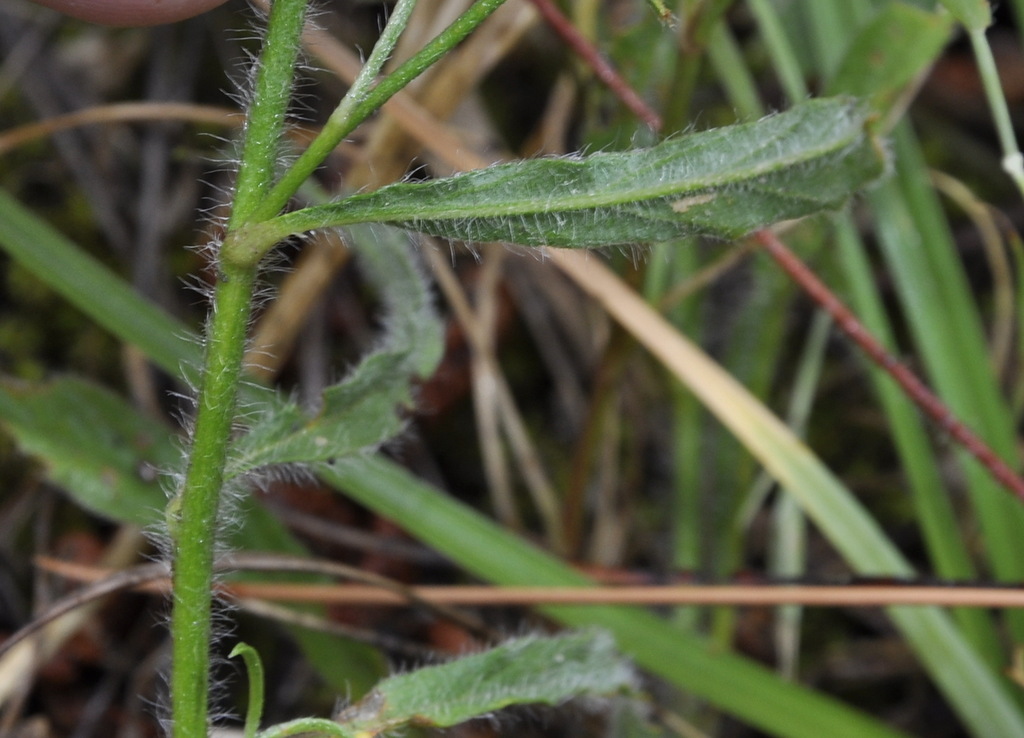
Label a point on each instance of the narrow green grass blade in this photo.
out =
(899, 43)
(918, 248)
(786, 64)
(979, 696)
(731, 69)
(831, 23)
(93, 288)
(1018, 14)
(732, 683)
(935, 514)
(92, 443)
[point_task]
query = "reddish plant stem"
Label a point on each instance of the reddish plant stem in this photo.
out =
(915, 389)
(604, 71)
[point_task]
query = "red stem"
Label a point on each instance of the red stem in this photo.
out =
(604, 71)
(915, 389)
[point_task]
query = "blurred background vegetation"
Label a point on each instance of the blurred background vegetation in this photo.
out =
(645, 486)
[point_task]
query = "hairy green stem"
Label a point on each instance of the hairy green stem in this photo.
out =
(337, 126)
(192, 516)
(195, 526)
(348, 115)
(265, 121)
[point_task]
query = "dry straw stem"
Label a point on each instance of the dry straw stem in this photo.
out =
(392, 594)
(132, 112)
(713, 594)
(102, 581)
(495, 403)
(136, 112)
(21, 661)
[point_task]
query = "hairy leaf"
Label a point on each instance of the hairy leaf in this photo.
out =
(361, 412)
(724, 182)
(523, 670)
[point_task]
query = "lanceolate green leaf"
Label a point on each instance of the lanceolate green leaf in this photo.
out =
(724, 182)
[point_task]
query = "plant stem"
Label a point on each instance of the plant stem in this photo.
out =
(915, 389)
(196, 526)
(601, 67)
(1013, 160)
(271, 96)
(348, 115)
(341, 122)
(193, 514)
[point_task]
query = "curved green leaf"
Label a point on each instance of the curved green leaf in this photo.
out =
(724, 182)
